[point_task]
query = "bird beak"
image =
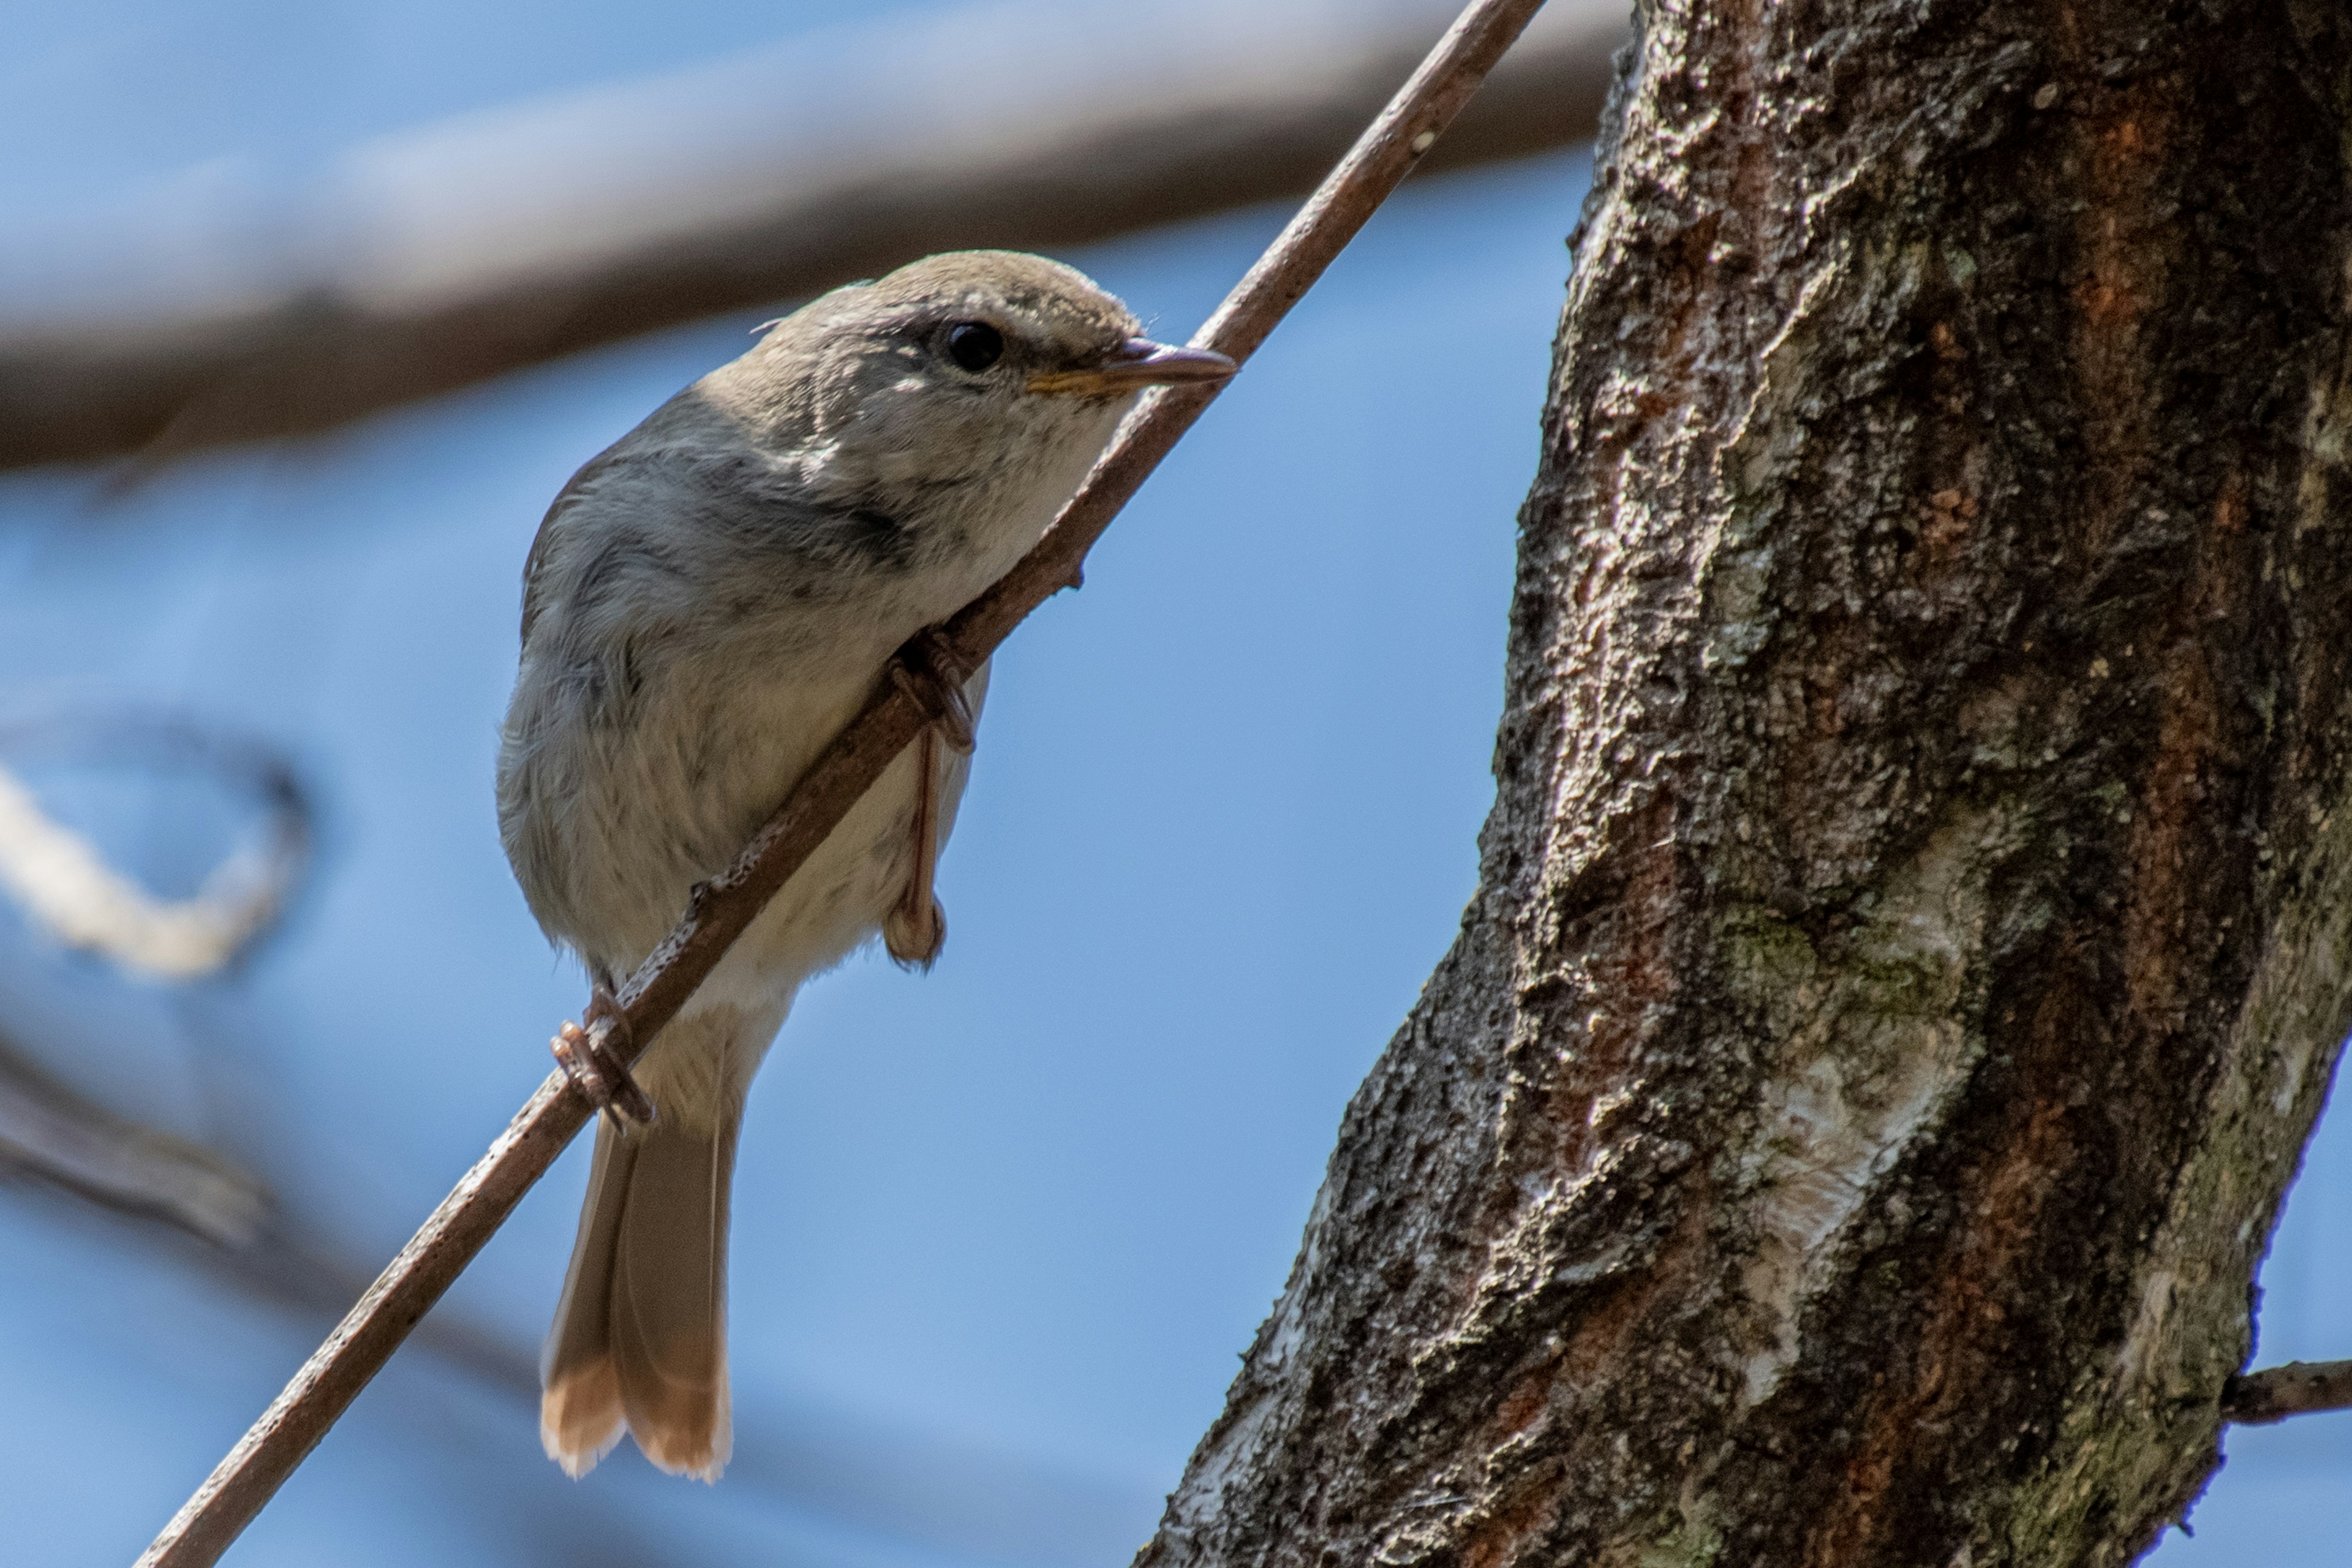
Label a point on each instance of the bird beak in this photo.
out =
(1136, 364)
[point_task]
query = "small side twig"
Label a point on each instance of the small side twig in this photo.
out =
(2275, 1393)
(724, 908)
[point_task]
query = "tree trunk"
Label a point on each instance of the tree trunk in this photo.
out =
(1912, 938)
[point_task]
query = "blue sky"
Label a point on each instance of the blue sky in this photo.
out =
(1022, 1212)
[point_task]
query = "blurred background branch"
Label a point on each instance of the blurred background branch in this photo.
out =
(915, 1488)
(50, 1134)
(201, 1211)
(65, 884)
(433, 259)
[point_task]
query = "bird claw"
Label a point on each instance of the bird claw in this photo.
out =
(927, 671)
(589, 1060)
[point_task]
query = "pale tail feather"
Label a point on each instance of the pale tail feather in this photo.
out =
(580, 1413)
(640, 1337)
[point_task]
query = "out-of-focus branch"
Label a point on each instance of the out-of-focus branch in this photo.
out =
(49, 1133)
(199, 1212)
(68, 888)
(66, 885)
(436, 260)
(904, 1484)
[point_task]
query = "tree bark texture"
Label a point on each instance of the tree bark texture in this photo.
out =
(1913, 937)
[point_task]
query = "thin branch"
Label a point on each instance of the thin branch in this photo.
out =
(278, 1271)
(721, 910)
(909, 1485)
(446, 256)
(193, 1208)
(2297, 1388)
(912, 1486)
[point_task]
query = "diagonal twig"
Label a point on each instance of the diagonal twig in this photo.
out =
(721, 909)
(914, 1487)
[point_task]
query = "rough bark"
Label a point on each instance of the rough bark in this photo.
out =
(1912, 942)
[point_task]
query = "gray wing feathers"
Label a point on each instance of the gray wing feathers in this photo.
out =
(657, 494)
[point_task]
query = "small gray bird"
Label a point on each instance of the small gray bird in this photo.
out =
(708, 603)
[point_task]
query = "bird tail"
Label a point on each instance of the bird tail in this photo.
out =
(640, 1336)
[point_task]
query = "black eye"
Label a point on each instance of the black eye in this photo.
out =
(975, 345)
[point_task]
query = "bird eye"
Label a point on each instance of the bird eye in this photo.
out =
(975, 345)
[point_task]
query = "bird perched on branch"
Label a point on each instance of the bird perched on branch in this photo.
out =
(708, 603)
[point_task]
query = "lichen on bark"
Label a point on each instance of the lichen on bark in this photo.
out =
(1916, 919)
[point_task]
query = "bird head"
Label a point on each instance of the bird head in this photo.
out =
(973, 371)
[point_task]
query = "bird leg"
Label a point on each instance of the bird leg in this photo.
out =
(591, 1059)
(917, 927)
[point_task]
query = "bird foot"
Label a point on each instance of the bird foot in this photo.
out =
(929, 671)
(589, 1059)
(915, 929)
